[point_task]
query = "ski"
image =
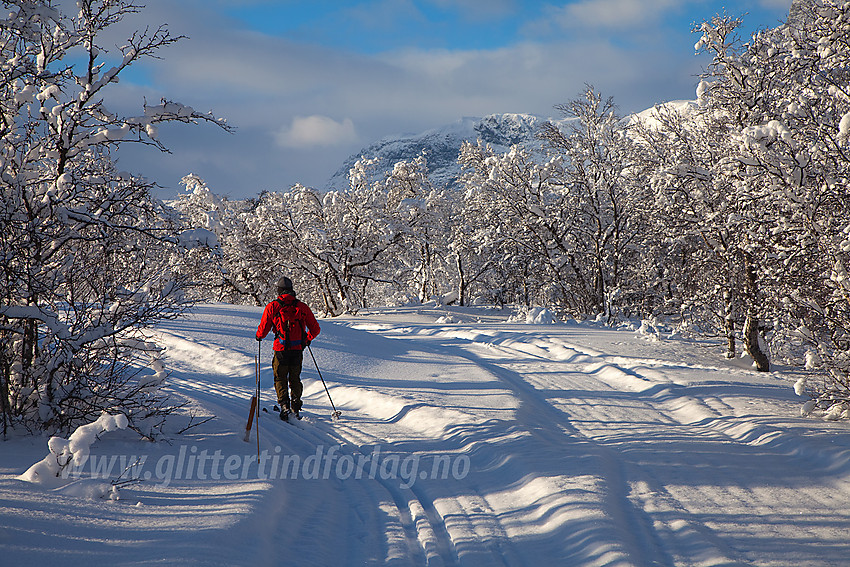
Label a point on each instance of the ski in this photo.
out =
(251, 419)
(276, 410)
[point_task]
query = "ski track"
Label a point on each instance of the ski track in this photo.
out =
(621, 513)
(585, 445)
(656, 526)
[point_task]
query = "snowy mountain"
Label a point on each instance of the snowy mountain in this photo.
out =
(649, 116)
(442, 145)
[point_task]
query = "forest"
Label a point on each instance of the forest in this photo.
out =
(727, 216)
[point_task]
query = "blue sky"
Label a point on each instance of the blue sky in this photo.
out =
(372, 27)
(308, 83)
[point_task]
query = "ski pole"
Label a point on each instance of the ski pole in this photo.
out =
(257, 369)
(336, 413)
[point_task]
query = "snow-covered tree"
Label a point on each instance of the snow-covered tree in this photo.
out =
(601, 179)
(565, 229)
(750, 184)
(334, 245)
(520, 213)
(88, 253)
(236, 272)
(783, 101)
(691, 214)
(475, 247)
(422, 214)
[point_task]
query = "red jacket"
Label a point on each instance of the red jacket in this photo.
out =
(292, 321)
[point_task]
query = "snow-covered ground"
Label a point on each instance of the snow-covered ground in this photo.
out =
(464, 440)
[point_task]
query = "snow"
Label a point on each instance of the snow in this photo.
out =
(71, 452)
(441, 145)
(195, 237)
(481, 441)
(650, 115)
(844, 128)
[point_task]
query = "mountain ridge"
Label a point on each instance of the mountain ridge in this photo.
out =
(442, 145)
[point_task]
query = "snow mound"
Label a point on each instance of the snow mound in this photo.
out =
(51, 471)
(90, 489)
(540, 316)
(535, 316)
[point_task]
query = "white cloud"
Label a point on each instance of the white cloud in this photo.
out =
(308, 98)
(316, 131)
(612, 14)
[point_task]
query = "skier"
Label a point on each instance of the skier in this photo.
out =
(295, 327)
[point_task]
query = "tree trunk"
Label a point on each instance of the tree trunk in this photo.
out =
(29, 344)
(751, 343)
(4, 390)
(729, 325)
(461, 276)
(751, 325)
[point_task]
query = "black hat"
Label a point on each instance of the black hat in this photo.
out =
(284, 285)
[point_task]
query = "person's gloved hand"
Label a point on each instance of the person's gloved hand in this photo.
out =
(258, 338)
(307, 342)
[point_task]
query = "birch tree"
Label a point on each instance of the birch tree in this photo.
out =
(89, 254)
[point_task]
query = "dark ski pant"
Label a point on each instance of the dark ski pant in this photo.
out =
(287, 372)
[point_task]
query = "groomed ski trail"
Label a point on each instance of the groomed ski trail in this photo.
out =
(465, 440)
(612, 407)
(576, 456)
